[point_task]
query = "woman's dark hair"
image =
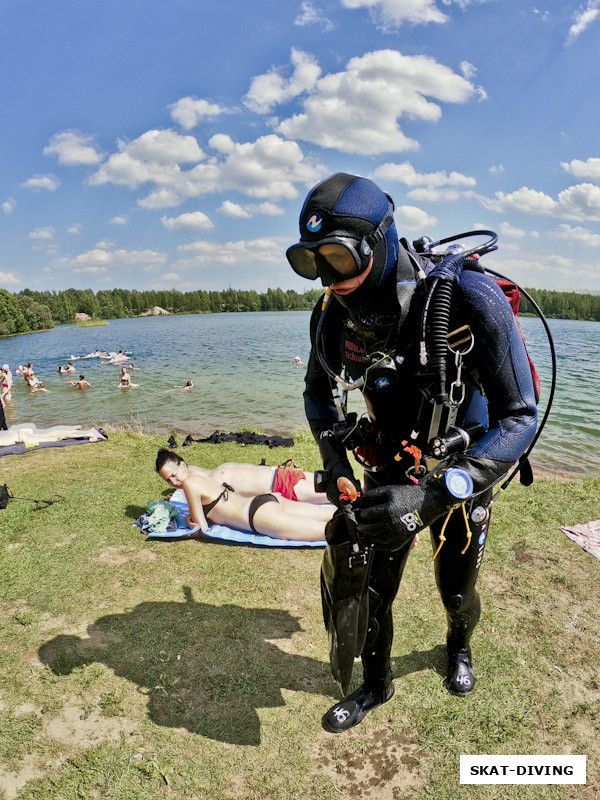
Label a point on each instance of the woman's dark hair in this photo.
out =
(164, 456)
(82, 377)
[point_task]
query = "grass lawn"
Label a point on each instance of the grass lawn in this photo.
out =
(134, 669)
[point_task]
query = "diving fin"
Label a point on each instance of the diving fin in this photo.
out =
(344, 594)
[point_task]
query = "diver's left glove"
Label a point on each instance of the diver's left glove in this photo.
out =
(336, 466)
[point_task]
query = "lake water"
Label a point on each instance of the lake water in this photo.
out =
(243, 369)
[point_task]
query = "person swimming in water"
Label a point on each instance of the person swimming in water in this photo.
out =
(81, 383)
(124, 377)
(211, 502)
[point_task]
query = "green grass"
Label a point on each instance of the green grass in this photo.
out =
(91, 323)
(137, 669)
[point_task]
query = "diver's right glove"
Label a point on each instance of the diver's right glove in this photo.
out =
(336, 466)
(390, 516)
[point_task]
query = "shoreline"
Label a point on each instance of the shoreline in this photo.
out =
(539, 473)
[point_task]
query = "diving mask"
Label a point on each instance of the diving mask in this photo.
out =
(337, 256)
(333, 259)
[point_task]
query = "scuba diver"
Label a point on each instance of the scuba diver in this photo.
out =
(434, 347)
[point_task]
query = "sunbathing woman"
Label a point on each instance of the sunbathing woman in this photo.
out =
(27, 433)
(211, 502)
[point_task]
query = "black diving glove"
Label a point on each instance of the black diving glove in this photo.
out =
(336, 464)
(390, 516)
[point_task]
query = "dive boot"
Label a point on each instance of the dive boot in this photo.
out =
(460, 679)
(353, 709)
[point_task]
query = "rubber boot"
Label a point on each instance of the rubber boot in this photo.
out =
(460, 679)
(377, 689)
(354, 708)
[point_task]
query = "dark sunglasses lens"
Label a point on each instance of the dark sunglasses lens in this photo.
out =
(302, 261)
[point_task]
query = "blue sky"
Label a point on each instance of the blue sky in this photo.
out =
(147, 144)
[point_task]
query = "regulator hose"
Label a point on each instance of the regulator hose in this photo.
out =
(438, 310)
(438, 335)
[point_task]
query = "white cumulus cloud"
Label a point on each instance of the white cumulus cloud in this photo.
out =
(119, 220)
(231, 209)
(267, 168)
(8, 206)
(411, 218)
(577, 236)
(511, 232)
(357, 110)
(42, 234)
(47, 183)
(311, 15)
(73, 148)
(153, 157)
(589, 169)
(580, 202)
(252, 251)
(189, 111)
(524, 200)
(101, 259)
(583, 18)
(267, 91)
(9, 279)
(431, 194)
(407, 174)
(160, 198)
(391, 13)
(192, 221)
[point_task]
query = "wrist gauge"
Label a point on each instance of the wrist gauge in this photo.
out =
(458, 483)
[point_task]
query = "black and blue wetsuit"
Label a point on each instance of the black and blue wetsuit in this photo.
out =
(499, 394)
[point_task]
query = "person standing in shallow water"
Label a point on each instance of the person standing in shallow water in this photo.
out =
(369, 326)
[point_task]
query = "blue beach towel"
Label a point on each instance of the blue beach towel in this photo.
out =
(221, 532)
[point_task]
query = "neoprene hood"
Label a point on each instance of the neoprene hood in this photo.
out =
(354, 206)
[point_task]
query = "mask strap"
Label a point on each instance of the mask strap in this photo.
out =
(378, 234)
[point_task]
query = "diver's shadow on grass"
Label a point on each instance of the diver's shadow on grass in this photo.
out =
(420, 660)
(204, 668)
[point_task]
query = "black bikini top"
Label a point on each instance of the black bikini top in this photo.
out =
(224, 494)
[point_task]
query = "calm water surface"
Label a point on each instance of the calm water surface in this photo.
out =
(243, 369)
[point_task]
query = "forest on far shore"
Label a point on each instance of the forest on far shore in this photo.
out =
(32, 311)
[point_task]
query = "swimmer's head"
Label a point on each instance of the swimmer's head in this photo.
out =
(297, 360)
(82, 377)
(189, 383)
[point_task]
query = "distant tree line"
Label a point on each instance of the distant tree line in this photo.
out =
(563, 305)
(34, 311)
